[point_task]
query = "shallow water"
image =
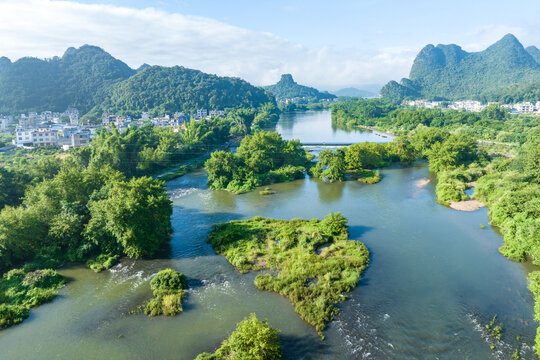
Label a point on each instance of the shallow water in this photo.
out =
(433, 273)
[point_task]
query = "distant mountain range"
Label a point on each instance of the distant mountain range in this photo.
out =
(447, 72)
(90, 79)
(287, 88)
(354, 92)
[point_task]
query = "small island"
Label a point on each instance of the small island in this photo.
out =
(168, 288)
(23, 289)
(261, 159)
(252, 339)
(311, 262)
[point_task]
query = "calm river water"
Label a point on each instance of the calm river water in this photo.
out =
(434, 273)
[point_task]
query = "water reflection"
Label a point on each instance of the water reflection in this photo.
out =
(330, 194)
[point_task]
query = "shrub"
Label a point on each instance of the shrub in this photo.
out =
(103, 262)
(168, 288)
(253, 339)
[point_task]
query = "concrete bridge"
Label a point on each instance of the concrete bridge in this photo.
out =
(325, 144)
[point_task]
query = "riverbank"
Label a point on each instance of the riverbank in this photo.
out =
(467, 205)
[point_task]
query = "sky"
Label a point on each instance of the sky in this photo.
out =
(326, 44)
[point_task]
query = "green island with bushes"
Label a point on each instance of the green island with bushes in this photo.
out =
(311, 262)
(253, 339)
(168, 287)
(23, 289)
(261, 159)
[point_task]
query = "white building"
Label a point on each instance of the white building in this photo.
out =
(467, 105)
(202, 113)
(524, 108)
(23, 137)
(44, 137)
(216, 113)
(80, 139)
(4, 122)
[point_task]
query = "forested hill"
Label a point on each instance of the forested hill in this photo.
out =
(447, 72)
(165, 90)
(77, 79)
(287, 88)
(90, 79)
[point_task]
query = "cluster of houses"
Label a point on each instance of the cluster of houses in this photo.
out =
(65, 129)
(477, 106)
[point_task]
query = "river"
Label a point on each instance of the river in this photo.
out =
(434, 273)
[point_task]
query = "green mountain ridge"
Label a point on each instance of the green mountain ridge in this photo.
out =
(77, 79)
(287, 88)
(91, 80)
(165, 90)
(447, 72)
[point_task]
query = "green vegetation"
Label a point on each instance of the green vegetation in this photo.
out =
(253, 339)
(93, 81)
(21, 290)
(261, 159)
(312, 263)
(287, 88)
(78, 79)
(168, 289)
(267, 191)
(534, 287)
(102, 262)
(447, 72)
(359, 160)
(494, 328)
(164, 90)
(82, 212)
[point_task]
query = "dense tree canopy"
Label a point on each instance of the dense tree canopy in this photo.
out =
(262, 158)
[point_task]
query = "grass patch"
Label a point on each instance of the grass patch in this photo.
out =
(21, 290)
(253, 339)
(366, 176)
(168, 289)
(311, 262)
(103, 262)
(267, 191)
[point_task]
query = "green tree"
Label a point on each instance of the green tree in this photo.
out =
(135, 214)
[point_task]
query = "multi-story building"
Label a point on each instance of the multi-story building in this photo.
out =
(23, 137)
(27, 122)
(4, 122)
(44, 137)
(524, 108)
(216, 113)
(202, 113)
(82, 138)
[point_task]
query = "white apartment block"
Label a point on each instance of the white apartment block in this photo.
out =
(44, 137)
(4, 122)
(23, 137)
(524, 108)
(202, 113)
(467, 105)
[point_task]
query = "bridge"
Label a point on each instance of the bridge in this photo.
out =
(325, 144)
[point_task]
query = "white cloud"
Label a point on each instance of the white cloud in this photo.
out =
(481, 38)
(45, 28)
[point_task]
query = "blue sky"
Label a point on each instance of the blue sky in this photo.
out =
(329, 44)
